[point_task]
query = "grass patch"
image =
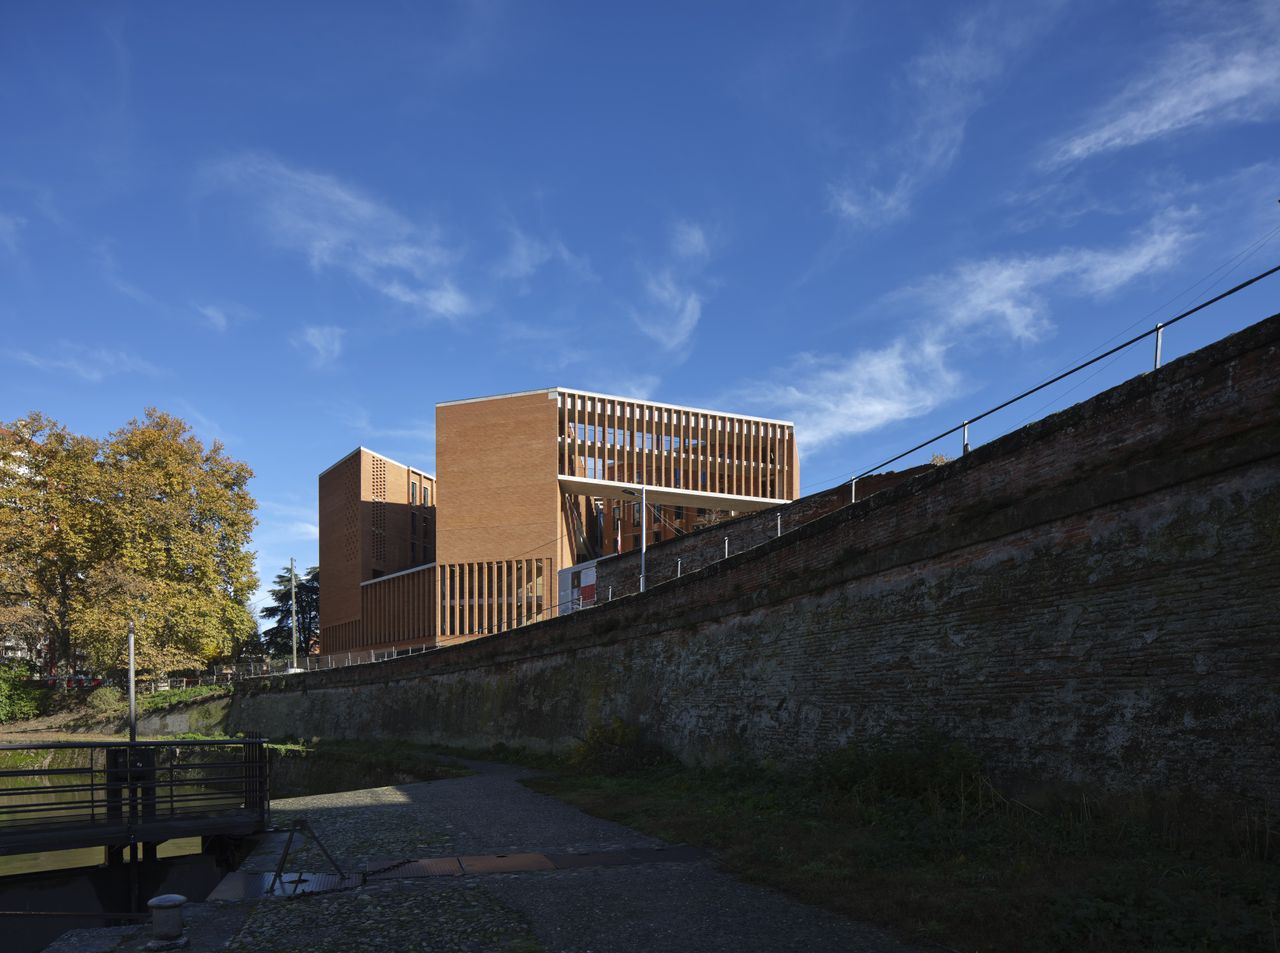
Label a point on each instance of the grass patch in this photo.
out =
(920, 841)
(326, 766)
(504, 754)
(177, 696)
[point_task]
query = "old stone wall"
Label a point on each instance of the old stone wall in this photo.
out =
(1091, 598)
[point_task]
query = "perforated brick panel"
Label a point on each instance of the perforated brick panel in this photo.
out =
(379, 493)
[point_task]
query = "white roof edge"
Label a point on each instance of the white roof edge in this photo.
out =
(692, 410)
(631, 400)
(402, 572)
(518, 393)
(346, 457)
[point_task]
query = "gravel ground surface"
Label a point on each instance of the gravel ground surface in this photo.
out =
(640, 908)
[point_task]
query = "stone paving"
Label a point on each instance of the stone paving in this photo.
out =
(624, 908)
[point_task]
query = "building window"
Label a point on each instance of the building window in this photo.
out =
(635, 514)
(635, 540)
(657, 512)
(679, 514)
(413, 524)
(413, 493)
(617, 514)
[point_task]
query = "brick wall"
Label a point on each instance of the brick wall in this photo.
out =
(1090, 598)
(618, 576)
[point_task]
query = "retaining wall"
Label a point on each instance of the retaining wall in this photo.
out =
(1091, 598)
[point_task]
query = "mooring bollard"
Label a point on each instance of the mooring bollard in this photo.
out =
(166, 922)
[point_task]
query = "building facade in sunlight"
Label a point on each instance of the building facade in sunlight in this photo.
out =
(526, 484)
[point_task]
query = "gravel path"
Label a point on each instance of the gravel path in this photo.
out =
(672, 907)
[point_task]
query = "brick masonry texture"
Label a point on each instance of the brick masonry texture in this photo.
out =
(620, 575)
(1092, 598)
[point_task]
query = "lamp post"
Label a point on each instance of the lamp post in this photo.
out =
(293, 608)
(133, 695)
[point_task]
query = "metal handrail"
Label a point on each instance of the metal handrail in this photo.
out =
(132, 788)
(1158, 331)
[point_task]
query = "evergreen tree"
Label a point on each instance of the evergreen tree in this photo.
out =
(277, 640)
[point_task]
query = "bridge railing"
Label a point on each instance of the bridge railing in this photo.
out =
(122, 792)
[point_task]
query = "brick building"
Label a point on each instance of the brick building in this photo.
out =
(526, 484)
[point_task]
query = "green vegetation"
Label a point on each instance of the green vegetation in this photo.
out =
(325, 766)
(920, 840)
(177, 696)
(146, 525)
(107, 700)
(277, 639)
(20, 698)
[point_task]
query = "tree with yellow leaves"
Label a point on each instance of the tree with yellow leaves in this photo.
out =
(147, 525)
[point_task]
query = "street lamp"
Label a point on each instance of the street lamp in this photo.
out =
(644, 528)
(133, 693)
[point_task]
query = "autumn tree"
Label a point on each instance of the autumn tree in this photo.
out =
(147, 525)
(278, 640)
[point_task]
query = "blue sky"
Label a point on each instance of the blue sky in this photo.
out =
(300, 225)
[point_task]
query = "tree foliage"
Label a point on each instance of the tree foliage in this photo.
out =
(147, 525)
(19, 695)
(278, 640)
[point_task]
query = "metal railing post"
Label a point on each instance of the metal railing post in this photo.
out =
(726, 547)
(678, 562)
(964, 429)
(1159, 344)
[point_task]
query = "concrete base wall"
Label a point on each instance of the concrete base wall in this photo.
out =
(1092, 598)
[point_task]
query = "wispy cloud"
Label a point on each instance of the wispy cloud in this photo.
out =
(940, 90)
(985, 302)
(300, 529)
(202, 424)
(1222, 77)
(323, 343)
(639, 386)
(336, 226)
(675, 291)
(362, 422)
(222, 315)
(90, 364)
(104, 255)
(10, 226)
(689, 241)
(527, 255)
(674, 312)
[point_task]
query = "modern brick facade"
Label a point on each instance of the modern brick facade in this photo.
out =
(527, 484)
(377, 519)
